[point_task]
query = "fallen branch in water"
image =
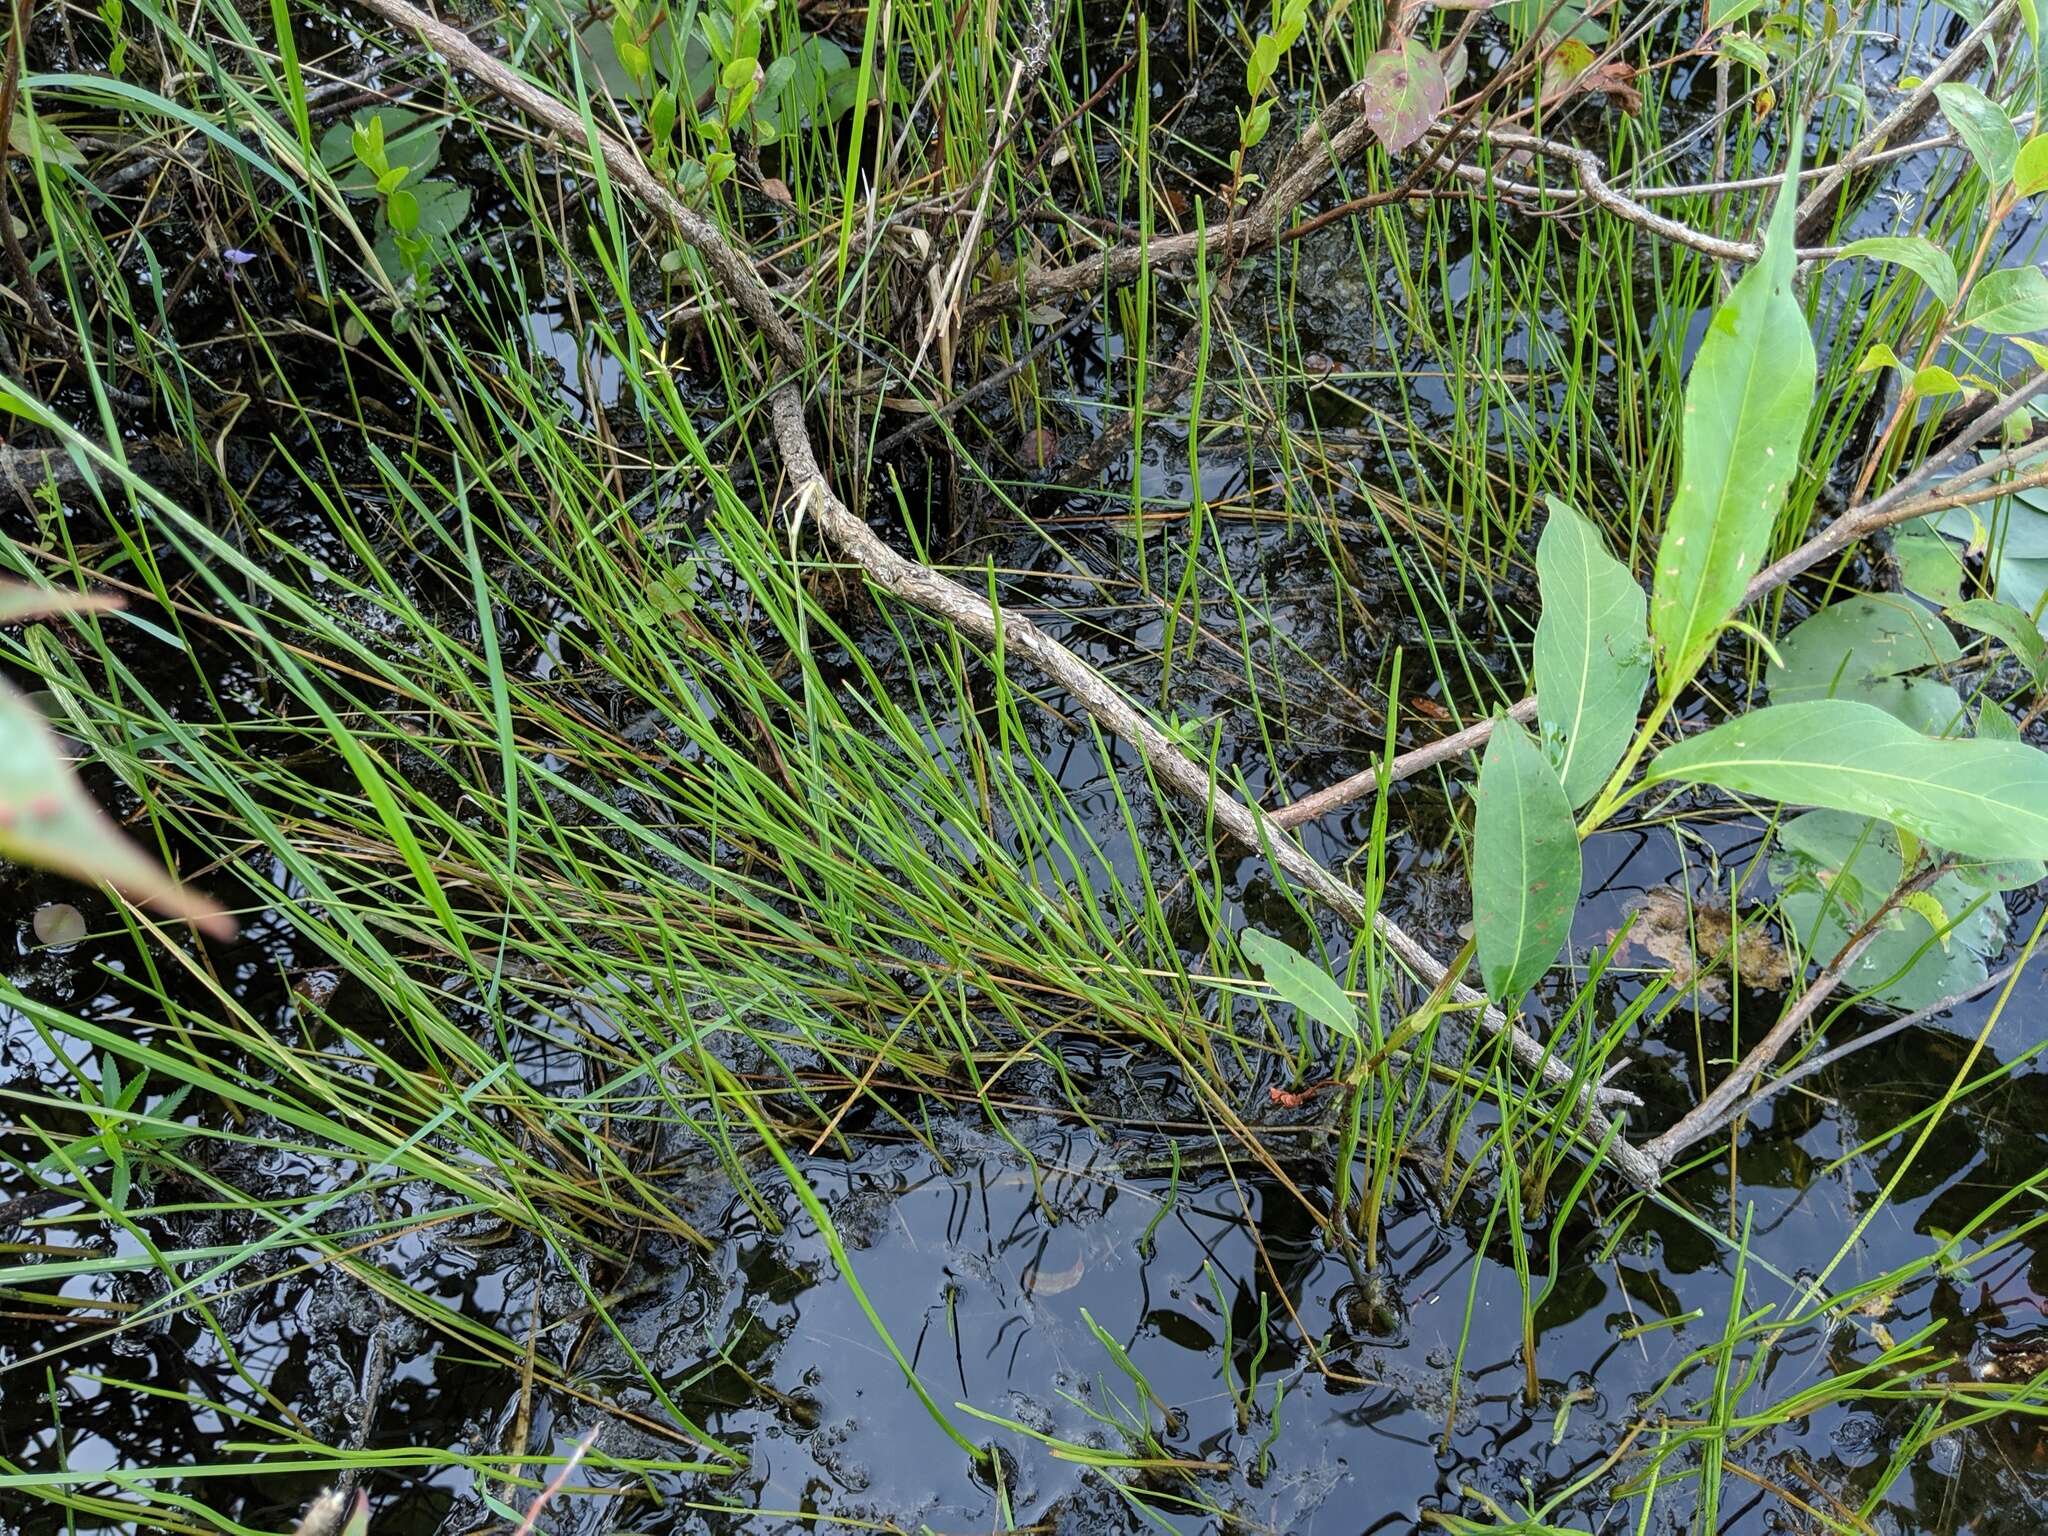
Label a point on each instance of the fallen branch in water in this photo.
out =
(925, 588)
(1862, 1042)
(1590, 171)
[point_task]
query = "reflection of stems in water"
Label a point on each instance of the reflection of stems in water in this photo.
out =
(1229, 1348)
(1272, 1428)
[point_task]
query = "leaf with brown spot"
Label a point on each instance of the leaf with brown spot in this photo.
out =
(1403, 90)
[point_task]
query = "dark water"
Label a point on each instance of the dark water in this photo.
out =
(1076, 1285)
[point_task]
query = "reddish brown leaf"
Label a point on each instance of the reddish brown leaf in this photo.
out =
(1403, 90)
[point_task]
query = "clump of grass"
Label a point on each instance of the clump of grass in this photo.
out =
(640, 839)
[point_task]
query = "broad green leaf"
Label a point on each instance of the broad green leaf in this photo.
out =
(441, 208)
(1879, 356)
(1745, 50)
(1928, 566)
(2009, 301)
(48, 820)
(1857, 649)
(1994, 724)
(43, 141)
(1935, 381)
(1987, 799)
(1833, 871)
(1923, 258)
(2011, 530)
(811, 91)
(1300, 981)
(1984, 126)
(1401, 92)
(1746, 403)
(2007, 625)
(1860, 648)
(1560, 20)
(1525, 865)
(1592, 651)
(2030, 170)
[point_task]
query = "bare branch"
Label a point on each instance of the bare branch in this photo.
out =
(1723, 1104)
(921, 586)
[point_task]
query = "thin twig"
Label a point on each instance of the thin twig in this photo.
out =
(1832, 540)
(1816, 210)
(944, 325)
(1863, 1042)
(924, 588)
(1591, 173)
(1443, 750)
(1721, 1105)
(979, 390)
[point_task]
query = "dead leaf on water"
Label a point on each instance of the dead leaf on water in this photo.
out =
(1692, 940)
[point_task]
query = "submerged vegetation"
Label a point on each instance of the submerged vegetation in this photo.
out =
(1024, 767)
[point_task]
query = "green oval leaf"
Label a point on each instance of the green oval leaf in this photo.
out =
(1300, 981)
(404, 137)
(1986, 799)
(1923, 258)
(1859, 648)
(2030, 169)
(2010, 301)
(440, 207)
(1592, 651)
(1525, 865)
(1983, 126)
(402, 209)
(1746, 403)
(1928, 565)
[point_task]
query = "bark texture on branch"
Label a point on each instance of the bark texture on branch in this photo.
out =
(1334, 134)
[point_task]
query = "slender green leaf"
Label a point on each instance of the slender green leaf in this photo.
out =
(1525, 865)
(1300, 981)
(1923, 258)
(1722, 13)
(1987, 799)
(1592, 651)
(1746, 403)
(1984, 127)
